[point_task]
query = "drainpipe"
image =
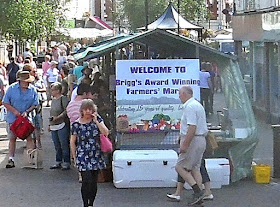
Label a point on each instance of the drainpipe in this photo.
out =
(254, 72)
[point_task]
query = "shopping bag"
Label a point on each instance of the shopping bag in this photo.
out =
(105, 143)
(33, 158)
(3, 113)
(211, 143)
(22, 127)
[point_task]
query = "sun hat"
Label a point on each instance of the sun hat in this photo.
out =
(25, 76)
(53, 62)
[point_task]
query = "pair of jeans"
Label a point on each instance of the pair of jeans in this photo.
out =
(60, 140)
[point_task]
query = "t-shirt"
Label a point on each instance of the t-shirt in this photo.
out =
(193, 114)
(74, 94)
(73, 110)
(78, 71)
(19, 99)
(52, 75)
(58, 107)
(45, 67)
(203, 77)
(12, 69)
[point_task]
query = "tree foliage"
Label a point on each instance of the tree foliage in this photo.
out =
(134, 11)
(29, 19)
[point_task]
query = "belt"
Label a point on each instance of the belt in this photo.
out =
(196, 135)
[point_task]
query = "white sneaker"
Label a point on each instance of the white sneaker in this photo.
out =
(208, 197)
(173, 197)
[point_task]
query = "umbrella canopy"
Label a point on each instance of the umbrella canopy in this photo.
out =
(77, 33)
(101, 23)
(169, 20)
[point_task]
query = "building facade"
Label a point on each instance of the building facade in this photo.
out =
(256, 23)
(220, 14)
(103, 9)
(76, 9)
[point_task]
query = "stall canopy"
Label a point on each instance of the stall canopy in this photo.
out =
(78, 33)
(159, 40)
(169, 20)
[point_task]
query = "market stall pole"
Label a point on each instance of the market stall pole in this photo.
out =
(276, 147)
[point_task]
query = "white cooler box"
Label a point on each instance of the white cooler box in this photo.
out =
(216, 176)
(144, 168)
(219, 172)
(224, 163)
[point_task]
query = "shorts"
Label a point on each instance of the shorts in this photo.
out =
(203, 172)
(10, 134)
(37, 120)
(191, 160)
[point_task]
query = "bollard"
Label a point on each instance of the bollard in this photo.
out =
(276, 147)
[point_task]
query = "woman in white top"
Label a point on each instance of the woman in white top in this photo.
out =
(52, 76)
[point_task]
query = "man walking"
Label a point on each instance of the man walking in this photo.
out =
(192, 142)
(20, 99)
(12, 69)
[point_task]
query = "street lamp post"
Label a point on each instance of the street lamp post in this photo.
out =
(146, 15)
(178, 17)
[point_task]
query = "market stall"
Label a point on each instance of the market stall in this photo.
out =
(238, 137)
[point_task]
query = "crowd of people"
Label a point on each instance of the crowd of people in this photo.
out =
(79, 107)
(77, 110)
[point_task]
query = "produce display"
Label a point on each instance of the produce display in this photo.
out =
(158, 122)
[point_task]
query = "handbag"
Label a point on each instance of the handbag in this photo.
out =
(22, 127)
(211, 143)
(105, 143)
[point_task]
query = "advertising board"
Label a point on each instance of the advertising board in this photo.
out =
(148, 90)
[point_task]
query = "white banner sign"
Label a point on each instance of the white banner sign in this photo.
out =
(148, 87)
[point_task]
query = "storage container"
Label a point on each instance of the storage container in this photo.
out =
(144, 168)
(262, 173)
(216, 176)
(224, 163)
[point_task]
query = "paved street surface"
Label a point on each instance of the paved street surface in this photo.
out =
(55, 188)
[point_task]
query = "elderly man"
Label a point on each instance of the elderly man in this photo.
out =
(20, 99)
(192, 142)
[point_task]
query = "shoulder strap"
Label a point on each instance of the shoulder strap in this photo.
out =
(61, 103)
